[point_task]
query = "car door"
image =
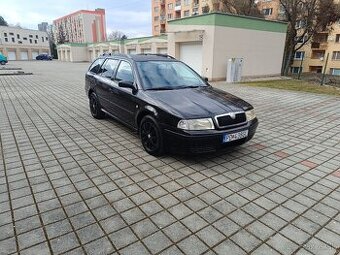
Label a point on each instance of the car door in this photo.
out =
(91, 75)
(105, 86)
(125, 97)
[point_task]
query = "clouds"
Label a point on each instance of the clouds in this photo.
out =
(133, 17)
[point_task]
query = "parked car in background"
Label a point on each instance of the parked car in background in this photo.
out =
(168, 103)
(44, 56)
(3, 60)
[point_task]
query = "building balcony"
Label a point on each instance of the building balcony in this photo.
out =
(319, 45)
(178, 8)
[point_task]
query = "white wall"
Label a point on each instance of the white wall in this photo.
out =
(262, 51)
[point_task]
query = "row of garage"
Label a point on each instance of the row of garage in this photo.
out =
(22, 54)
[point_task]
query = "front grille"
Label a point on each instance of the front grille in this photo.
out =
(226, 120)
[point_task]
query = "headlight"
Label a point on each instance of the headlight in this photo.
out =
(197, 124)
(250, 115)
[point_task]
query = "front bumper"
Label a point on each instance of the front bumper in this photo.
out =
(204, 141)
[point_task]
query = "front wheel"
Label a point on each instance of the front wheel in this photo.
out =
(151, 136)
(95, 107)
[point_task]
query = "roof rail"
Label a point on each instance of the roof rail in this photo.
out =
(157, 54)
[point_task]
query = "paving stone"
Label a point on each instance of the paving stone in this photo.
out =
(64, 243)
(192, 245)
(136, 248)
(157, 242)
(31, 238)
(229, 247)
(123, 238)
(210, 236)
(176, 231)
(89, 233)
(144, 228)
(282, 244)
(39, 249)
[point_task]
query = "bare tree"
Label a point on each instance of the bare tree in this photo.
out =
(61, 37)
(3, 22)
(241, 7)
(116, 35)
(306, 18)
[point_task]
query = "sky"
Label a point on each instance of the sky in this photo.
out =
(132, 17)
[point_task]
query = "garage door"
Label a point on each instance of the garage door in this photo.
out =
(163, 51)
(191, 54)
(12, 55)
(34, 54)
(23, 55)
(146, 51)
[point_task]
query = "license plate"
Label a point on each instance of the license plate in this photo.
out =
(235, 136)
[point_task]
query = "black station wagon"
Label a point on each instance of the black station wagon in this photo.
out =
(169, 104)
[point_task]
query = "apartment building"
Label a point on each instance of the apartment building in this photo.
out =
(271, 9)
(82, 26)
(23, 44)
(167, 10)
(312, 57)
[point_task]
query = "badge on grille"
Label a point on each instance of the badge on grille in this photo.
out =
(232, 115)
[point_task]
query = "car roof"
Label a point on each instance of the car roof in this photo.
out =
(142, 57)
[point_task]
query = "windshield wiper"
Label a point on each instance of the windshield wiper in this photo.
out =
(162, 88)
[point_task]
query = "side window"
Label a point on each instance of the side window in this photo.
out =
(109, 68)
(124, 72)
(95, 67)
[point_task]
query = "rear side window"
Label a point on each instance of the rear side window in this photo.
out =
(109, 68)
(124, 72)
(95, 67)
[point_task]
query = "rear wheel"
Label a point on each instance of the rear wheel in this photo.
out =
(95, 107)
(151, 136)
(2, 63)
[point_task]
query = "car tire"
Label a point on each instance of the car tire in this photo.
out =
(2, 63)
(151, 136)
(95, 107)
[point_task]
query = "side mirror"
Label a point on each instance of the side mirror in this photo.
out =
(127, 84)
(205, 79)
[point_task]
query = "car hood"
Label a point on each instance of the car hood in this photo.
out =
(197, 102)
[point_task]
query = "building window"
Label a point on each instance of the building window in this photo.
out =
(295, 69)
(6, 39)
(36, 41)
(30, 40)
(336, 55)
(337, 38)
(46, 38)
(156, 18)
(186, 2)
(186, 13)
(18, 36)
(43, 39)
(11, 34)
(5, 34)
(170, 6)
(24, 38)
(157, 28)
(156, 9)
(20, 42)
(301, 39)
(335, 71)
(299, 55)
(267, 11)
(13, 40)
(169, 16)
(30, 36)
(36, 36)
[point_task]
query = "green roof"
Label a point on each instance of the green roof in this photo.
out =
(234, 21)
(137, 39)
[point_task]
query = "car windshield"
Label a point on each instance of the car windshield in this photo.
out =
(167, 75)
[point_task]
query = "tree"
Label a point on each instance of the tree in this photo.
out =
(3, 22)
(306, 18)
(61, 38)
(116, 35)
(241, 7)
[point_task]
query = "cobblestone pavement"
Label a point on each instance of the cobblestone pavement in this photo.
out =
(72, 184)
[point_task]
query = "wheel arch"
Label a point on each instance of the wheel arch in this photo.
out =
(147, 110)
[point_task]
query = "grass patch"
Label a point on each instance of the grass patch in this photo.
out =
(295, 85)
